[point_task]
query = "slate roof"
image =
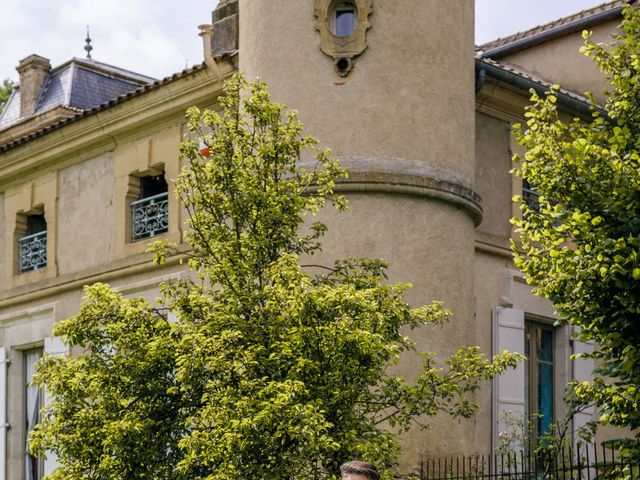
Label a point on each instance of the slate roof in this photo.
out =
(562, 26)
(107, 104)
(79, 84)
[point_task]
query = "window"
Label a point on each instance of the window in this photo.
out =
(344, 19)
(150, 212)
(32, 243)
(530, 196)
(33, 398)
(539, 391)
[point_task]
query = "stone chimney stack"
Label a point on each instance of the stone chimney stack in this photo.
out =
(33, 71)
(225, 28)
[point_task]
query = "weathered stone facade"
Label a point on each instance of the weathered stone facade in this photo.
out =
(430, 189)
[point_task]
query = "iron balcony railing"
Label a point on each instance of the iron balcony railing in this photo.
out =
(33, 251)
(531, 198)
(150, 216)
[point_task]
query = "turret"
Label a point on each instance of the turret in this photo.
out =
(388, 86)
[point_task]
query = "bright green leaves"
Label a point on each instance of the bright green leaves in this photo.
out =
(111, 413)
(580, 249)
(271, 371)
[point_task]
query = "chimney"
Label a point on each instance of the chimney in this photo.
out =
(33, 71)
(225, 28)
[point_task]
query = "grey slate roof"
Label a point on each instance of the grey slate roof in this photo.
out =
(98, 108)
(79, 84)
(11, 112)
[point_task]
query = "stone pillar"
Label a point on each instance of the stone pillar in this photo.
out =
(34, 71)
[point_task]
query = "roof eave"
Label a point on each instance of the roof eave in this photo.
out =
(568, 103)
(560, 31)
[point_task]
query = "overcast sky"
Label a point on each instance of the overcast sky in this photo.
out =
(160, 37)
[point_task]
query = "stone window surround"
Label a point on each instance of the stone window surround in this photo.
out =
(342, 49)
(152, 155)
(37, 196)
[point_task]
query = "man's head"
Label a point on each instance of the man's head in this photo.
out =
(357, 470)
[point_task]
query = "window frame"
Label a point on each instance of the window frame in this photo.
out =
(532, 383)
(26, 381)
(37, 239)
(149, 212)
(340, 8)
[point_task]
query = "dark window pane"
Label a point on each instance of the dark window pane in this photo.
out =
(545, 346)
(545, 397)
(150, 186)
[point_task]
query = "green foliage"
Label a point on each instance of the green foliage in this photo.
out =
(271, 370)
(112, 413)
(5, 92)
(582, 249)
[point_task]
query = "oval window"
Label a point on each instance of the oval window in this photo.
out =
(344, 19)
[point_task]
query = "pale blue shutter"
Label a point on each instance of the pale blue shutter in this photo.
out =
(508, 388)
(582, 370)
(53, 346)
(3, 413)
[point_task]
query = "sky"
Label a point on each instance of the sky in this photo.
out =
(160, 37)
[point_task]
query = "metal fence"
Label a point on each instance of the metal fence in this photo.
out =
(585, 462)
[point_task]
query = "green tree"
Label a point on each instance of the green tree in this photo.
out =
(272, 370)
(5, 91)
(581, 249)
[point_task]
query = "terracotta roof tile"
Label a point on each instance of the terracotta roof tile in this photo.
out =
(119, 99)
(546, 30)
(524, 74)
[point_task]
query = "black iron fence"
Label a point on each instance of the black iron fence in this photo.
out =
(583, 462)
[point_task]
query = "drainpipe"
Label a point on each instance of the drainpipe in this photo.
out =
(481, 75)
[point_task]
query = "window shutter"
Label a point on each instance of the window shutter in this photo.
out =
(508, 388)
(582, 370)
(3, 413)
(53, 346)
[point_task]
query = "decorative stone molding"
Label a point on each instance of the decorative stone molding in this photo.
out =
(33, 197)
(407, 177)
(342, 49)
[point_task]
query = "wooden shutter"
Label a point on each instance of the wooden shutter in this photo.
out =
(3, 413)
(582, 369)
(508, 388)
(53, 346)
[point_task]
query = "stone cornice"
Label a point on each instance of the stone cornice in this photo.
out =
(102, 130)
(409, 177)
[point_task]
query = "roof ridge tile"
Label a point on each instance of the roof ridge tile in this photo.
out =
(553, 24)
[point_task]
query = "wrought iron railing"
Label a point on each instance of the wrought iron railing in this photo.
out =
(33, 251)
(531, 198)
(150, 216)
(583, 462)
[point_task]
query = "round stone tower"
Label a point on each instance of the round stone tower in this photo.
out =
(388, 86)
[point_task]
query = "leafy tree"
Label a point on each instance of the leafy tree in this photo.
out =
(5, 91)
(113, 411)
(272, 370)
(581, 249)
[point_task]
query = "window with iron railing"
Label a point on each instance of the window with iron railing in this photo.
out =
(32, 246)
(530, 197)
(150, 213)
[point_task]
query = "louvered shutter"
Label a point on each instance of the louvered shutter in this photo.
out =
(53, 346)
(3, 413)
(582, 370)
(508, 388)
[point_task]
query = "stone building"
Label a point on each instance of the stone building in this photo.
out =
(87, 149)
